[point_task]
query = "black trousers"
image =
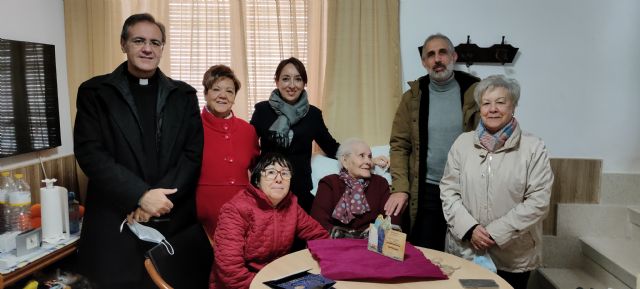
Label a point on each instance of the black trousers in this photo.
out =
(430, 226)
(145, 283)
(516, 280)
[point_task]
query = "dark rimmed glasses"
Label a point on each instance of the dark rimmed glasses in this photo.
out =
(271, 174)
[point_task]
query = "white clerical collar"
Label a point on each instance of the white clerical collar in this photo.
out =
(143, 81)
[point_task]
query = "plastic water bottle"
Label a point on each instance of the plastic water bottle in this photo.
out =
(7, 186)
(74, 214)
(20, 203)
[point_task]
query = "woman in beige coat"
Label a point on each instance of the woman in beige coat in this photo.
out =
(496, 186)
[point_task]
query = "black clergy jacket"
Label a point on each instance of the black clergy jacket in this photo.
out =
(108, 146)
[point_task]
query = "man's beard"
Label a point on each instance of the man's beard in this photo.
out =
(443, 75)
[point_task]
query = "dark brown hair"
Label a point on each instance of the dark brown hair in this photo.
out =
(297, 63)
(266, 160)
(216, 73)
(137, 18)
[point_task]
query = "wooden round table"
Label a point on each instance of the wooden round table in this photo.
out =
(302, 260)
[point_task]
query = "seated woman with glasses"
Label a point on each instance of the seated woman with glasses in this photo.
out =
(259, 224)
(346, 203)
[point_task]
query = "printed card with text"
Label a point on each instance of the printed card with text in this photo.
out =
(386, 241)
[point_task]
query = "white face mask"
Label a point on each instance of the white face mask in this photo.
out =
(146, 233)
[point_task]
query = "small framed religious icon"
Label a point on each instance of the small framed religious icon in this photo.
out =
(28, 241)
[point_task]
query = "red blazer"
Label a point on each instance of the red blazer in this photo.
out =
(251, 233)
(230, 150)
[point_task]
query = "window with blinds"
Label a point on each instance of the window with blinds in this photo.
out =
(29, 119)
(200, 36)
(275, 30)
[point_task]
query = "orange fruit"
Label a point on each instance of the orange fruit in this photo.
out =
(36, 210)
(36, 222)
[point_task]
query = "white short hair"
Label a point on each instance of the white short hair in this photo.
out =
(494, 81)
(346, 148)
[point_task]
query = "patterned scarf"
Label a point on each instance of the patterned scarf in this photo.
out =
(353, 201)
(493, 142)
(288, 115)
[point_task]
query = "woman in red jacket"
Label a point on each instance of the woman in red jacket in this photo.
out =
(258, 224)
(230, 146)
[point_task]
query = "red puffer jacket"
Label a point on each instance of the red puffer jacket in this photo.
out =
(251, 233)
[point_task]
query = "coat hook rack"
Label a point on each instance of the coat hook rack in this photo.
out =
(469, 53)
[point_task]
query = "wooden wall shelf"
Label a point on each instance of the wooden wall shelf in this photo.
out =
(39, 264)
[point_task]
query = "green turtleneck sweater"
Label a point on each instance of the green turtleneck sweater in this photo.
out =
(445, 125)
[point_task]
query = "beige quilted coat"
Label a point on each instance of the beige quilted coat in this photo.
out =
(507, 192)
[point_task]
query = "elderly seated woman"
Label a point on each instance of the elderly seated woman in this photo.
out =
(496, 186)
(346, 203)
(259, 224)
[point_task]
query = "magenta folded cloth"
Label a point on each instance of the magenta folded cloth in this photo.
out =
(349, 259)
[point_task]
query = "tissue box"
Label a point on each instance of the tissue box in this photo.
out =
(8, 241)
(28, 241)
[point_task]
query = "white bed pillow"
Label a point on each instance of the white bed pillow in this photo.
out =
(322, 166)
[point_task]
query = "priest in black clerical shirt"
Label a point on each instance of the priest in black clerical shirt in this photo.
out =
(138, 138)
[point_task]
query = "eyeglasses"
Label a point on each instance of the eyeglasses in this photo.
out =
(141, 42)
(271, 174)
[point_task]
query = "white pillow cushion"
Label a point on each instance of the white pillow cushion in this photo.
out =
(381, 151)
(322, 166)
